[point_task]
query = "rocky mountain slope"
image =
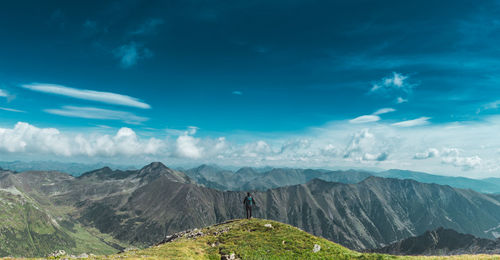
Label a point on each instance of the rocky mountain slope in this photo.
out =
(32, 226)
(369, 214)
(442, 242)
(140, 207)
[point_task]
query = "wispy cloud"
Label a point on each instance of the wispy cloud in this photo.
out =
(3, 93)
(97, 113)
(371, 118)
(236, 92)
(384, 111)
(401, 100)
(130, 53)
(85, 94)
(12, 110)
(364, 119)
(414, 122)
(395, 85)
(148, 27)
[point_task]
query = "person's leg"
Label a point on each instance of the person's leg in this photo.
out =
(250, 211)
(248, 216)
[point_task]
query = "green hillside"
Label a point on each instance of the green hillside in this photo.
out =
(30, 229)
(252, 239)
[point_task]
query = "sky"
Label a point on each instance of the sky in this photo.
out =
(313, 84)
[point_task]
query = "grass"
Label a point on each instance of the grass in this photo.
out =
(28, 229)
(250, 239)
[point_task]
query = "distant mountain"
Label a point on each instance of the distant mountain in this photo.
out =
(442, 242)
(74, 169)
(489, 185)
(247, 178)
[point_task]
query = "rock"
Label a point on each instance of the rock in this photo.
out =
(232, 256)
(283, 242)
(83, 255)
(316, 248)
(57, 253)
(268, 225)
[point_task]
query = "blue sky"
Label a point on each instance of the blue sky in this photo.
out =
(285, 83)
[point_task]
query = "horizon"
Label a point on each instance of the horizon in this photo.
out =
(22, 166)
(323, 85)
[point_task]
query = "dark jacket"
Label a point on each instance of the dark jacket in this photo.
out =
(249, 201)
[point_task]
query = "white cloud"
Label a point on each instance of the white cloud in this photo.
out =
(401, 100)
(375, 157)
(130, 53)
(364, 119)
(371, 118)
(97, 113)
(430, 153)
(364, 146)
(256, 149)
(187, 147)
(85, 94)
(28, 139)
(192, 130)
(466, 163)
(397, 84)
(414, 122)
(12, 110)
(466, 149)
(239, 93)
(396, 81)
(3, 93)
(384, 111)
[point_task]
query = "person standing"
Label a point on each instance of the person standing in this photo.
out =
(249, 203)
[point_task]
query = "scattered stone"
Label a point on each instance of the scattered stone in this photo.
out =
(283, 242)
(316, 248)
(57, 253)
(268, 225)
(189, 234)
(83, 255)
(231, 256)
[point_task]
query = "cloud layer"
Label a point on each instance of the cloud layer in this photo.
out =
(339, 144)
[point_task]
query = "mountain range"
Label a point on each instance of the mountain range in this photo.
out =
(442, 241)
(140, 207)
(248, 178)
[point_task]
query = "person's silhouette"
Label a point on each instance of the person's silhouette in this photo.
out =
(249, 202)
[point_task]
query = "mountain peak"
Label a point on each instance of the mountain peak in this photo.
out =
(157, 169)
(154, 166)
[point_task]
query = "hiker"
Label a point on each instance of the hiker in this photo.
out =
(249, 202)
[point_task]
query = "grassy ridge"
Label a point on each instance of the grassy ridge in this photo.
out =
(251, 239)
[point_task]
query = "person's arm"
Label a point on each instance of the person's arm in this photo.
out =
(244, 200)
